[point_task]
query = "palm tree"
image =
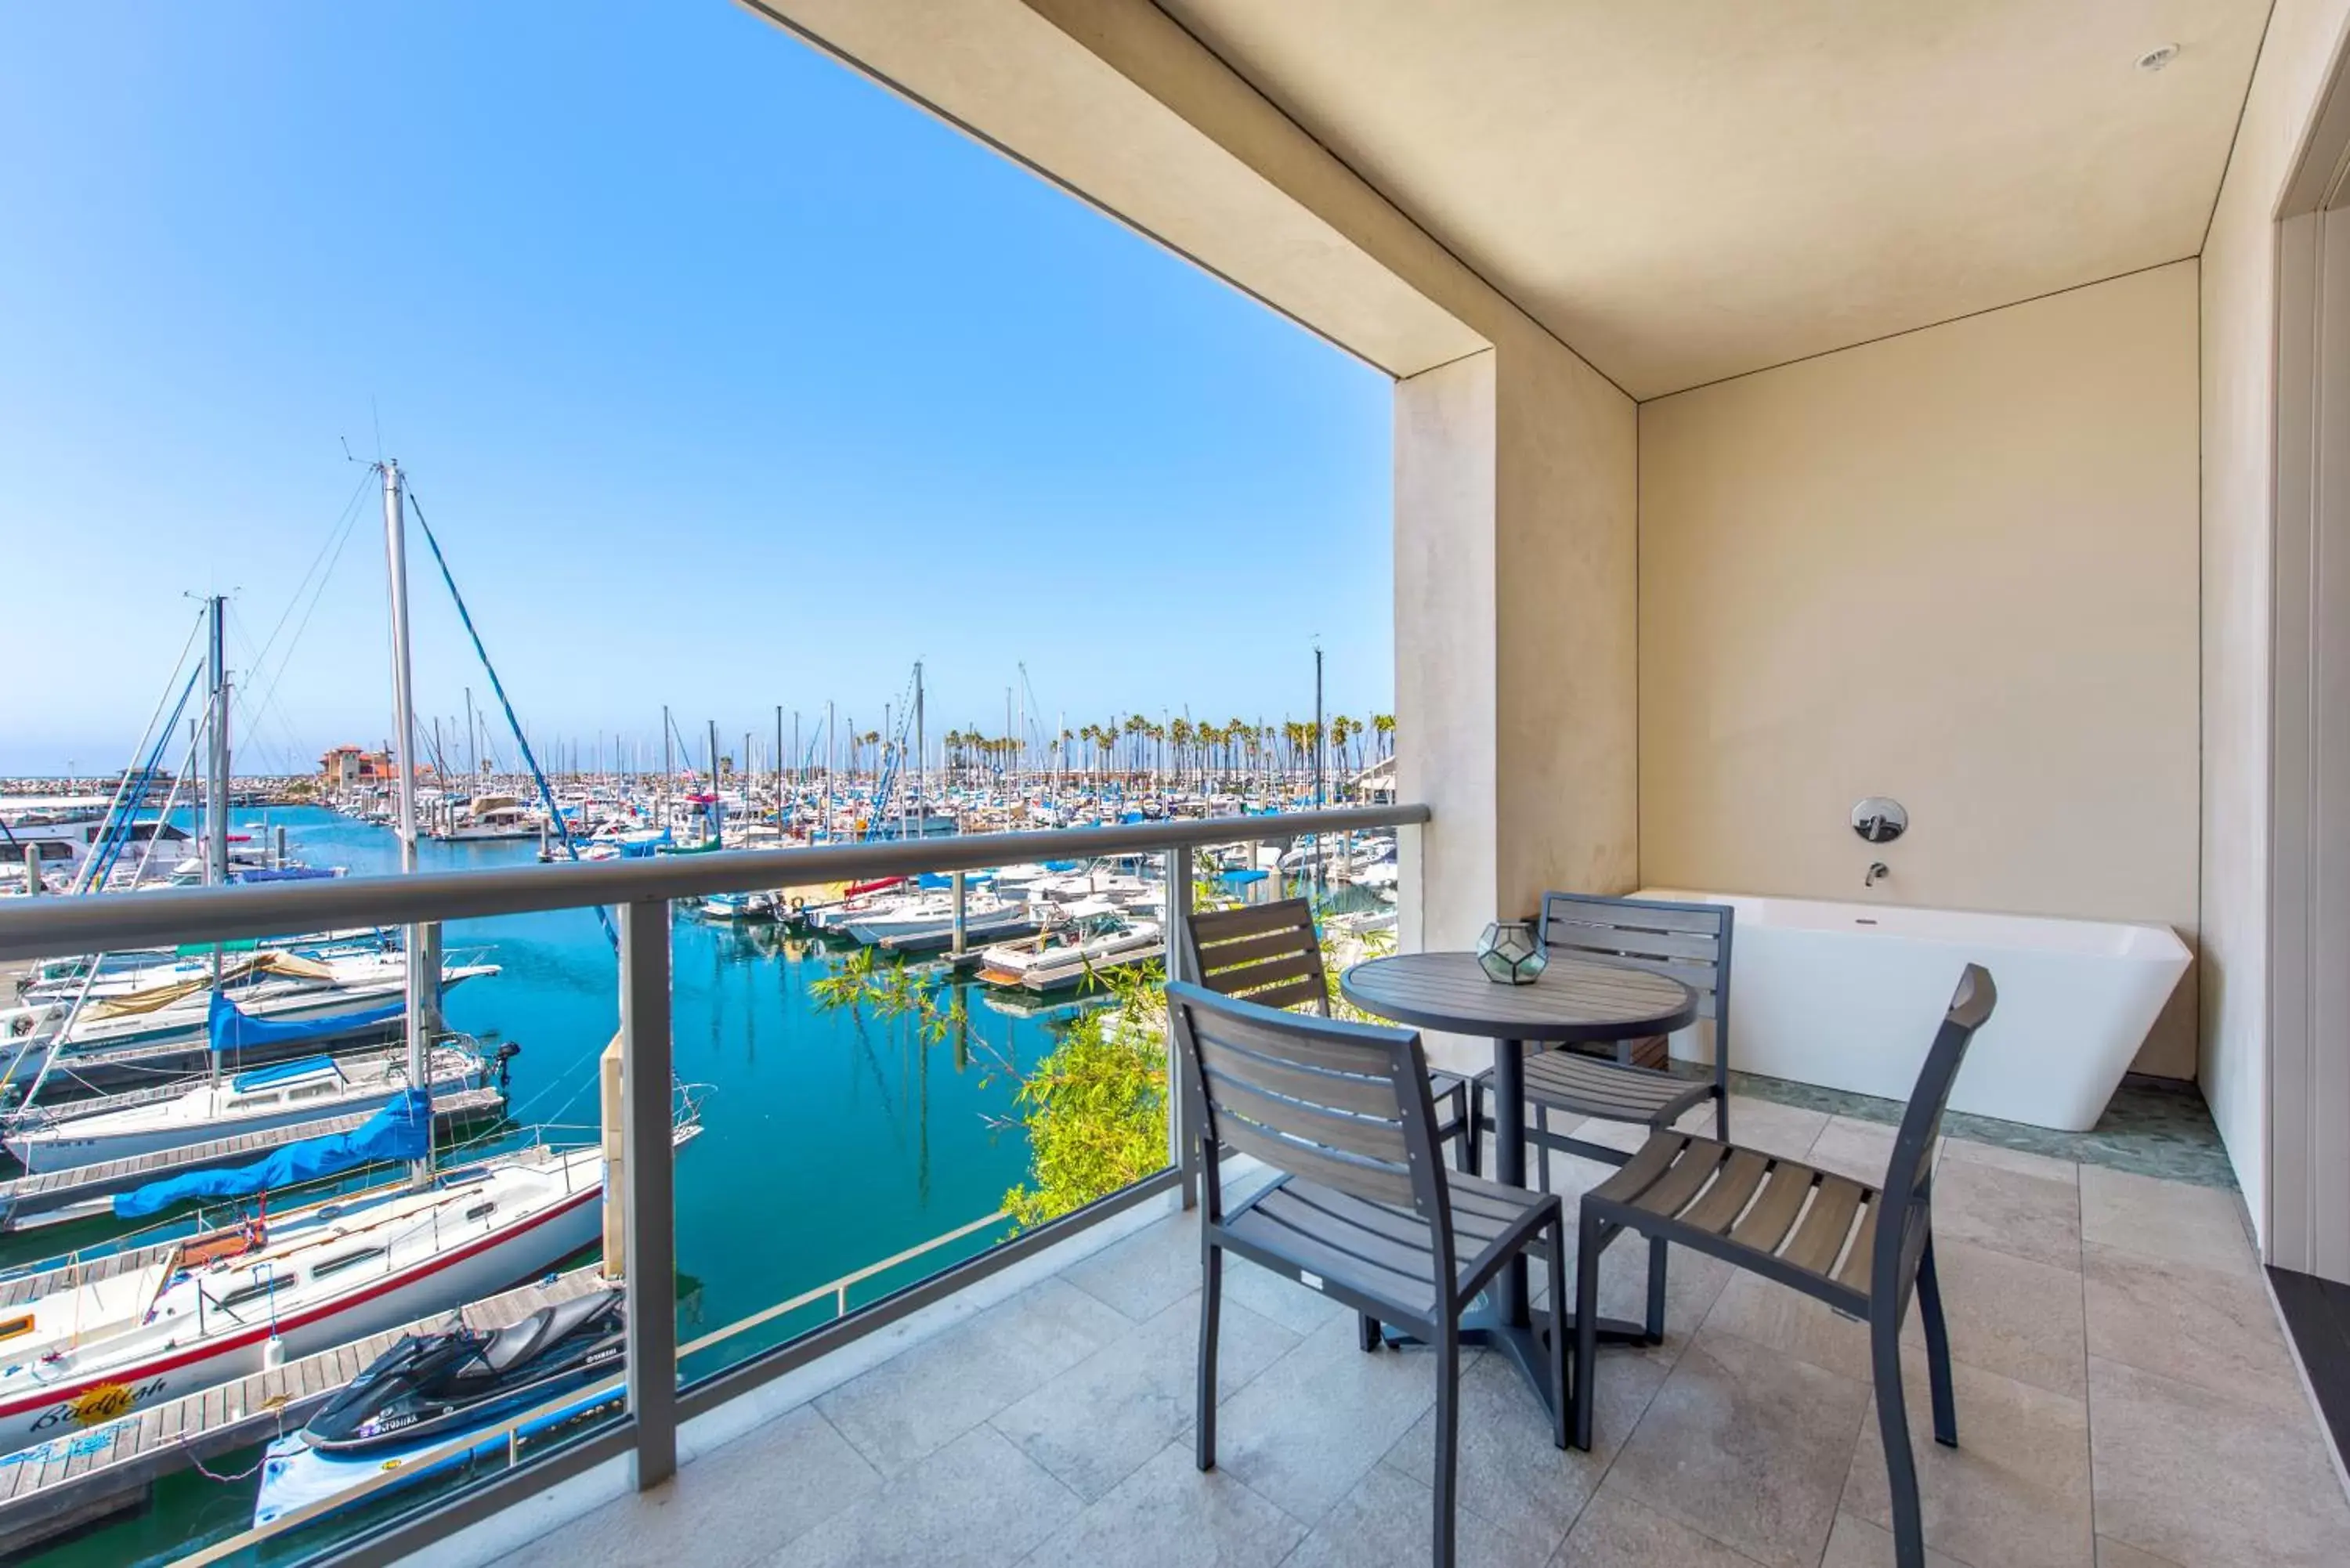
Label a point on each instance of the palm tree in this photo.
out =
(1383, 726)
(1136, 727)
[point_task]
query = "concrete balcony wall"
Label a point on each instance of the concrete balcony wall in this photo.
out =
(2239, 315)
(1958, 567)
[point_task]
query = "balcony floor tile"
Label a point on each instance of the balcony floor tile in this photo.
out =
(1054, 1425)
(978, 1502)
(913, 1406)
(1169, 1515)
(1096, 1423)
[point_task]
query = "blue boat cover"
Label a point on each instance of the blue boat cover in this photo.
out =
(402, 1130)
(282, 874)
(261, 1076)
(233, 1029)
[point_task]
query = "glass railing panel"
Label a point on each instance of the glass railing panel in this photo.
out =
(861, 1103)
(890, 1097)
(314, 1273)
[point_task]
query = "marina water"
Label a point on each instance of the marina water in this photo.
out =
(833, 1139)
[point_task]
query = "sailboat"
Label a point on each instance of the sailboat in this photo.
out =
(147, 1121)
(89, 1340)
(279, 986)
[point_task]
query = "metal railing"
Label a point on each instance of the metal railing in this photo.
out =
(56, 927)
(642, 889)
(511, 1429)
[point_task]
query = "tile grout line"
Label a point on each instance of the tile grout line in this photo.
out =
(2088, 1382)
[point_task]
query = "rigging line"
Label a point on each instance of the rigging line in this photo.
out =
(267, 706)
(255, 710)
(101, 861)
(340, 526)
(547, 794)
(317, 593)
(147, 734)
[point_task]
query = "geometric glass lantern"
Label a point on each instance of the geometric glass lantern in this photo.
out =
(1509, 954)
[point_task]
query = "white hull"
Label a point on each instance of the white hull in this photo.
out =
(87, 1389)
(66, 1146)
(296, 1475)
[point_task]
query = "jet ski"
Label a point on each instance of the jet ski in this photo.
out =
(427, 1392)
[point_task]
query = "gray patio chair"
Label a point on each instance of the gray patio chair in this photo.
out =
(1859, 1248)
(1272, 955)
(1689, 943)
(1364, 1211)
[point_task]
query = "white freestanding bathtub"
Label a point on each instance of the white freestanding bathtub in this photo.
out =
(1848, 996)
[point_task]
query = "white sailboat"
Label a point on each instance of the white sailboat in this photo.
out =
(281, 987)
(86, 1343)
(147, 1121)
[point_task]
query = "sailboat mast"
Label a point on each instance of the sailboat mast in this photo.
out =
(216, 754)
(712, 821)
(422, 950)
(216, 776)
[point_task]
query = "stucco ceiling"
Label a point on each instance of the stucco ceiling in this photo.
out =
(1685, 190)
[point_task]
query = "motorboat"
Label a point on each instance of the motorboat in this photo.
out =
(739, 907)
(430, 1391)
(1068, 956)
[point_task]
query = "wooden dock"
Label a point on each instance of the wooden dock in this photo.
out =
(80, 1476)
(50, 1197)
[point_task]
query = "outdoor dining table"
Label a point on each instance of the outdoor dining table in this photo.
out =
(1573, 1002)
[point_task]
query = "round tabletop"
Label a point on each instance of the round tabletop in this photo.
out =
(1574, 1000)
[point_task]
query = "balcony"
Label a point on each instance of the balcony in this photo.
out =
(2125, 1392)
(1925, 405)
(2121, 1377)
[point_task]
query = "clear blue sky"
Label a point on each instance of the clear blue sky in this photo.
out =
(726, 378)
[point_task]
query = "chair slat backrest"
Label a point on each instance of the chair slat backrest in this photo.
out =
(1345, 1105)
(1904, 1215)
(1265, 953)
(1691, 942)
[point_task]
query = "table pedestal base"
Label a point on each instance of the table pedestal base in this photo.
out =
(1527, 1345)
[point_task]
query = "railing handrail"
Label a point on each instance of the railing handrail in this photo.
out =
(60, 926)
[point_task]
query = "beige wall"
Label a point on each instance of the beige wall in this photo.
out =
(2239, 315)
(1957, 567)
(1565, 632)
(1444, 603)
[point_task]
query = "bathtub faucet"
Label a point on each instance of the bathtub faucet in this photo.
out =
(1877, 870)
